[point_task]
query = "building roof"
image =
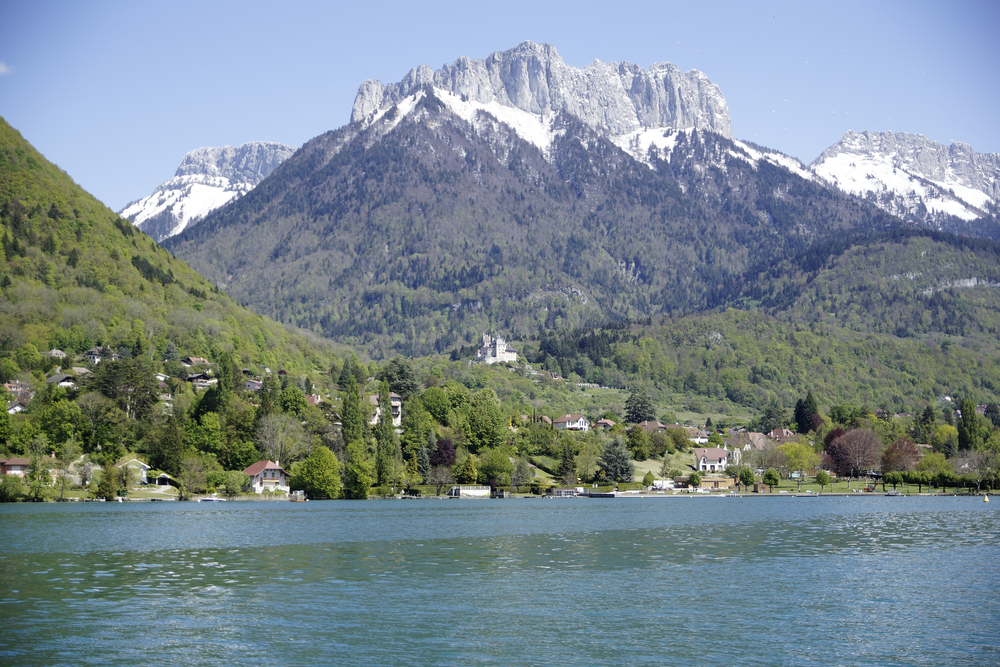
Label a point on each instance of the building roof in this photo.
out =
(568, 418)
(710, 453)
(261, 466)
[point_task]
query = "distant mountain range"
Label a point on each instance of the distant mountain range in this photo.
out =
(206, 179)
(519, 193)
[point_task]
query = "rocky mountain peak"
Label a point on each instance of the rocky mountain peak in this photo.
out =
(617, 98)
(206, 179)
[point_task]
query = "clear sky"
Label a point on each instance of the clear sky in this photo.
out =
(116, 92)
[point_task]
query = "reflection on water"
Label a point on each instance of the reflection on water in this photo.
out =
(755, 581)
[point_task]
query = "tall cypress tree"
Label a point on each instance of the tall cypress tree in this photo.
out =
(385, 437)
(352, 420)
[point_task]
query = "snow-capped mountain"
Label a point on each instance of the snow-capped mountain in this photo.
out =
(913, 177)
(528, 87)
(206, 179)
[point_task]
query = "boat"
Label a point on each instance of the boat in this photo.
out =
(894, 492)
(298, 497)
(212, 499)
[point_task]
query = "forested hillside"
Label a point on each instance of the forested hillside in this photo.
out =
(74, 275)
(421, 231)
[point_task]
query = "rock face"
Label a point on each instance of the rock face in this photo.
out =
(913, 177)
(617, 98)
(206, 179)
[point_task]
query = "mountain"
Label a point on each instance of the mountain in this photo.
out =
(950, 188)
(618, 98)
(75, 275)
(443, 212)
(206, 179)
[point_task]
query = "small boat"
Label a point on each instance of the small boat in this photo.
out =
(298, 497)
(212, 499)
(894, 492)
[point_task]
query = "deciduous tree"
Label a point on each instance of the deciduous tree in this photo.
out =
(318, 474)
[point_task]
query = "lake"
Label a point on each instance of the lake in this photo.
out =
(754, 581)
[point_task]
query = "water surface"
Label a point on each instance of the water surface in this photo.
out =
(756, 581)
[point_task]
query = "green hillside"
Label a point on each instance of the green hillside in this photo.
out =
(74, 275)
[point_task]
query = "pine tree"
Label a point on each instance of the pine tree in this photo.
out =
(616, 462)
(567, 465)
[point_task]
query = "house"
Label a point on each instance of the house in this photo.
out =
(572, 423)
(201, 380)
(265, 475)
(96, 355)
(14, 466)
(711, 459)
(195, 361)
(495, 351)
(62, 380)
(781, 434)
(56, 354)
(316, 399)
(653, 426)
(396, 401)
(161, 377)
(141, 467)
(20, 404)
(254, 385)
(605, 424)
(543, 419)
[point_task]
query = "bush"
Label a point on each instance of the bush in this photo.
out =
(11, 489)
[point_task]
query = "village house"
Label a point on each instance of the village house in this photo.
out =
(710, 459)
(201, 380)
(266, 476)
(495, 351)
(15, 466)
(56, 354)
(605, 424)
(96, 355)
(254, 385)
(140, 467)
(195, 361)
(653, 426)
(396, 401)
(572, 423)
(62, 380)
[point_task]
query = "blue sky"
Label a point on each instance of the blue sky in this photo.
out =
(116, 93)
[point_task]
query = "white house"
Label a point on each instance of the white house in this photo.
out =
(141, 467)
(711, 459)
(267, 475)
(396, 401)
(572, 423)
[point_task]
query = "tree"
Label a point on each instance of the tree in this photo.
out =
(694, 480)
(823, 479)
(436, 402)
(968, 426)
(292, 401)
(440, 477)
(106, 487)
(385, 437)
(400, 376)
(616, 462)
(486, 427)
(567, 465)
(639, 408)
(129, 383)
(902, 455)
(771, 479)
(234, 481)
(798, 457)
(495, 465)
(351, 417)
(70, 452)
(37, 475)
(945, 440)
(773, 417)
(855, 453)
(467, 473)
(648, 479)
(895, 478)
(318, 475)
(521, 474)
(99, 417)
(192, 476)
(746, 477)
(360, 471)
(416, 427)
(638, 442)
(280, 438)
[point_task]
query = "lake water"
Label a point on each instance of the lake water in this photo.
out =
(704, 581)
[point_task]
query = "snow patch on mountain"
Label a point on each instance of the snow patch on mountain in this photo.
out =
(913, 177)
(206, 179)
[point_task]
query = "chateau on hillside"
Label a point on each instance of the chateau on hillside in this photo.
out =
(495, 351)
